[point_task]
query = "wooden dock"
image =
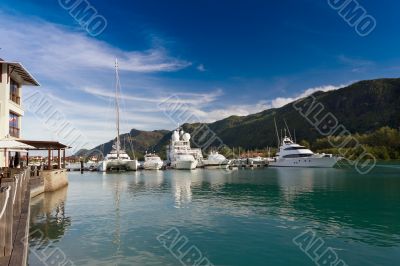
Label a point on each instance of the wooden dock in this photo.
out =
(14, 217)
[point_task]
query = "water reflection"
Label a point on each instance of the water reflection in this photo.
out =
(48, 216)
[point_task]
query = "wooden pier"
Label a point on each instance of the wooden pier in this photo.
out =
(14, 216)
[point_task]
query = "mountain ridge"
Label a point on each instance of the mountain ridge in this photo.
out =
(361, 107)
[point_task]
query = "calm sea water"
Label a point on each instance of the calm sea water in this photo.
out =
(244, 217)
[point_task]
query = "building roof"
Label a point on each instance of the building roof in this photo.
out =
(44, 145)
(26, 77)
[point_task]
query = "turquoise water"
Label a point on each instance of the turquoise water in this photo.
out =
(244, 217)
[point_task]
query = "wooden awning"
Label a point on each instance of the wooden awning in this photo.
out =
(45, 145)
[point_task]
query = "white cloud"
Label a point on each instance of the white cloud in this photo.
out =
(56, 51)
(76, 73)
(201, 68)
(244, 110)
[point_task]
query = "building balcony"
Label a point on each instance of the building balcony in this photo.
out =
(14, 132)
(16, 99)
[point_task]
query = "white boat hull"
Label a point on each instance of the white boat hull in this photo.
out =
(184, 165)
(323, 162)
(128, 165)
(153, 165)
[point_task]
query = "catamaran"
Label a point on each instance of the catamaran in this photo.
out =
(117, 159)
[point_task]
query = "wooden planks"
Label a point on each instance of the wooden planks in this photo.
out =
(14, 218)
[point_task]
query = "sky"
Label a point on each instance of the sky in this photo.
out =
(220, 58)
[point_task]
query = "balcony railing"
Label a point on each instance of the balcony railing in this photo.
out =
(14, 132)
(15, 98)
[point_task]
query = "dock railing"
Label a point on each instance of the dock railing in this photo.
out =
(14, 214)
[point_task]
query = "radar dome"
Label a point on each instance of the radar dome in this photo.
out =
(175, 136)
(186, 137)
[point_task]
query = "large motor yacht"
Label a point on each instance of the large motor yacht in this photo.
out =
(179, 153)
(294, 155)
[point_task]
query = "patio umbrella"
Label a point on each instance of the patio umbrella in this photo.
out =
(12, 145)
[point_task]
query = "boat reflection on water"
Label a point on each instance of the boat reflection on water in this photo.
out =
(181, 188)
(48, 219)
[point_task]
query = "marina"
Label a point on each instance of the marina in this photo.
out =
(206, 133)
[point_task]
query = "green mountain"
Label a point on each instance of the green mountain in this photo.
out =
(363, 107)
(136, 141)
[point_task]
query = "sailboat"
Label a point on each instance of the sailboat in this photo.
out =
(117, 159)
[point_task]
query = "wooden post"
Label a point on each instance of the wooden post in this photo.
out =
(63, 158)
(6, 162)
(8, 219)
(59, 158)
(49, 161)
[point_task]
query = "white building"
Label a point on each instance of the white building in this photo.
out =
(13, 76)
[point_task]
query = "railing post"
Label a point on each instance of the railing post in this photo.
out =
(7, 219)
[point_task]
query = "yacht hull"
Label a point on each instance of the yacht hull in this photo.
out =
(128, 165)
(324, 162)
(153, 165)
(215, 164)
(184, 165)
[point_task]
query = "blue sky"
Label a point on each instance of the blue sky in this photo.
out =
(221, 57)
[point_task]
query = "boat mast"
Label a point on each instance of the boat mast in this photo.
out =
(290, 135)
(277, 135)
(117, 86)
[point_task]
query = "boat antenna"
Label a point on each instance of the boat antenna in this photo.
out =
(117, 92)
(294, 135)
(290, 135)
(277, 135)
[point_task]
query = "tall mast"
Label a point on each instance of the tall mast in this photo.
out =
(277, 135)
(117, 88)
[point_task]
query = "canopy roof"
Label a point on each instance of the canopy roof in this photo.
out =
(11, 144)
(18, 68)
(44, 145)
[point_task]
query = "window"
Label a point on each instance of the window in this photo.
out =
(295, 148)
(14, 96)
(14, 125)
(297, 155)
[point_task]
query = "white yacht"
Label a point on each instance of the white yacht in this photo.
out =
(293, 155)
(216, 160)
(180, 154)
(152, 162)
(257, 160)
(117, 159)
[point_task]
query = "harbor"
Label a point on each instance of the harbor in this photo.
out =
(199, 133)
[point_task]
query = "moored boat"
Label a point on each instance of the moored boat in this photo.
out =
(117, 159)
(216, 160)
(152, 162)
